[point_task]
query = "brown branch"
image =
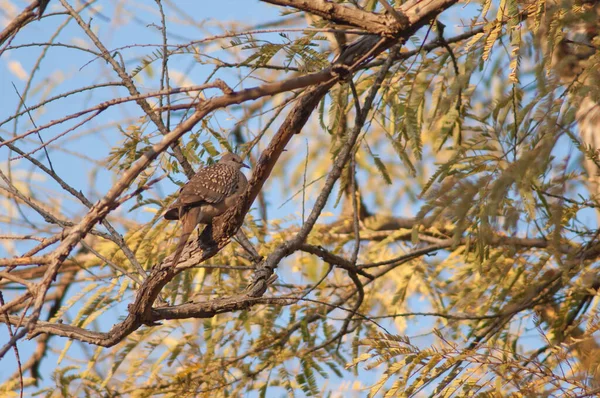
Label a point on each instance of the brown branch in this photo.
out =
(26, 16)
(215, 238)
(375, 23)
(128, 83)
(34, 361)
(33, 260)
(114, 235)
(18, 301)
(392, 11)
(16, 279)
(334, 259)
(343, 158)
(148, 293)
(38, 271)
(115, 101)
(15, 348)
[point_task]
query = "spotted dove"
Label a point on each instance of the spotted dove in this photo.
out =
(208, 194)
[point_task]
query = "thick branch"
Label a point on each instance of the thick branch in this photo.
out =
(378, 24)
(140, 311)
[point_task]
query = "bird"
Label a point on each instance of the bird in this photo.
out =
(208, 194)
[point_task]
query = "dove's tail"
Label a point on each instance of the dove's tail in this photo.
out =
(189, 221)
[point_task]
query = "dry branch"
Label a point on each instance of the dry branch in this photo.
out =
(141, 312)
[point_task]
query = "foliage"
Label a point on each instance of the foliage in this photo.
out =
(457, 254)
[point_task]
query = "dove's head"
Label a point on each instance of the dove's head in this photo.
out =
(233, 159)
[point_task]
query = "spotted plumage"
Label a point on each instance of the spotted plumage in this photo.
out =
(210, 185)
(208, 194)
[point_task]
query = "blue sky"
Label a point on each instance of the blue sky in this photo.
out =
(71, 69)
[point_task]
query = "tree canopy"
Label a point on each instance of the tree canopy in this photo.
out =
(421, 216)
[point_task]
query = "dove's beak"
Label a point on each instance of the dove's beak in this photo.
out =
(245, 165)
